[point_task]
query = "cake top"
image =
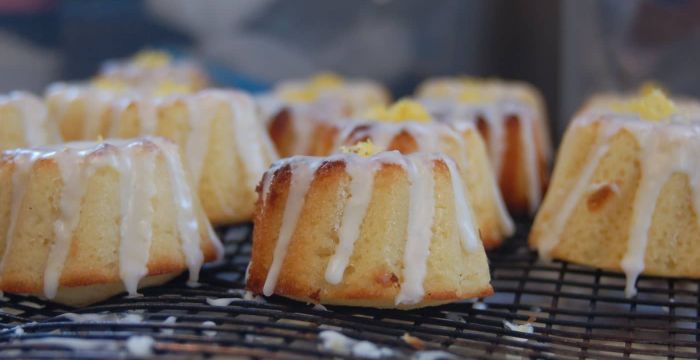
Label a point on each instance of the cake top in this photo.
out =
(86, 148)
(419, 169)
(402, 110)
(652, 105)
(152, 65)
(473, 90)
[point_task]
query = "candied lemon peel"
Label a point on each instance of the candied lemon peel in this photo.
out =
(402, 110)
(651, 105)
(363, 148)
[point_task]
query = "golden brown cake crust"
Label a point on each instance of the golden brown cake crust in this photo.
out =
(597, 231)
(374, 274)
(94, 244)
(469, 152)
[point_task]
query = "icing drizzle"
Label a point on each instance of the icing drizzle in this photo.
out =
(419, 169)
(429, 138)
(77, 162)
(38, 130)
(665, 149)
(507, 100)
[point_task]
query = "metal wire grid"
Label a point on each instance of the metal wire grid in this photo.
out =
(574, 312)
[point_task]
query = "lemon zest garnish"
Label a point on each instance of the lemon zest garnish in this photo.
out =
(169, 87)
(364, 149)
(403, 110)
(107, 83)
(151, 58)
(304, 94)
(650, 86)
(325, 80)
(653, 105)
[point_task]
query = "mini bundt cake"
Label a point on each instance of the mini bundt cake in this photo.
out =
(83, 221)
(386, 231)
(625, 194)
(153, 66)
(511, 117)
(408, 128)
(223, 143)
(24, 122)
(295, 108)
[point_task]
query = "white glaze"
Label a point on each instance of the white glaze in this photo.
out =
(465, 218)
(34, 115)
(419, 168)
(188, 226)
(136, 228)
(665, 148)
(77, 162)
(429, 137)
(507, 100)
(421, 214)
(302, 176)
(73, 174)
(360, 192)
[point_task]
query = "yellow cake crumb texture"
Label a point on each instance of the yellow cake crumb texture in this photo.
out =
(652, 105)
(151, 58)
(402, 110)
(364, 149)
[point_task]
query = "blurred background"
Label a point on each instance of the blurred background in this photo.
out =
(568, 49)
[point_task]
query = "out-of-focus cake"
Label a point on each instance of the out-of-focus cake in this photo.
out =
(625, 190)
(81, 222)
(224, 145)
(386, 230)
(294, 108)
(511, 117)
(152, 66)
(408, 128)
(24, 122)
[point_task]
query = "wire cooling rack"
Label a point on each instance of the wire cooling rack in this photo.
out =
(540, 310)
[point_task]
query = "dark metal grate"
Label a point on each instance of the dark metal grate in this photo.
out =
(575, 312)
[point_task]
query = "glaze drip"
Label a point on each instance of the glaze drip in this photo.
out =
(38, 130)
(665, 149)
(421, 215)
(77, 162)
(429, 138)
(419, 168)
(495, 102)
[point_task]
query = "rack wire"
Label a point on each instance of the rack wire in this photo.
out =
(540, 310)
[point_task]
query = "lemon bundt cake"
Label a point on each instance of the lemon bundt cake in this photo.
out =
(223, 143)
(408, 128)
(625, 194)
(295, 108)
(152, 66)
(24, 122)
(387, 231)
(511, 117)
(84, 221)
